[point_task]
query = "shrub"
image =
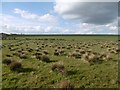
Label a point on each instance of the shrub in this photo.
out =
(7, 61)
(45, 58)
(14, 66)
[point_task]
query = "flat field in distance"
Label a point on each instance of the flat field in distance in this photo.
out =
(48, 61)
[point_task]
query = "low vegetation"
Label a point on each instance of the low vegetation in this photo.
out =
(60, 62)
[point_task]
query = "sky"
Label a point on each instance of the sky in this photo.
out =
(59, 17)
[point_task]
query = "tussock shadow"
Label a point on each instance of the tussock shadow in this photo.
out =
(52, 61)
(72, 72)
(25, 70)
(115, 60)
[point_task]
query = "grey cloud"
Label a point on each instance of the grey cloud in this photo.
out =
(119, 14)
(89, 12)
(119, 9)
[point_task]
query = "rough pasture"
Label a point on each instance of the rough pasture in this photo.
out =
(60, 61)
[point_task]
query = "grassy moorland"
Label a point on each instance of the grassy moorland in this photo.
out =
(60, 61)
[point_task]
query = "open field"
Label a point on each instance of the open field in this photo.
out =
(60, 61)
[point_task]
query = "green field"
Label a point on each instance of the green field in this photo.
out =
(100, 72)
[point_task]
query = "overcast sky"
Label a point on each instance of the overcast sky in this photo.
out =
(59, 17)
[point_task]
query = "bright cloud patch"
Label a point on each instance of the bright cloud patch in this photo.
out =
(13, 24)
(27, 15)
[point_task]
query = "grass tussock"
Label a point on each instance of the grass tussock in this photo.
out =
(15, 66)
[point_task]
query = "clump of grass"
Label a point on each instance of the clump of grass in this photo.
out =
(108, 57)
(59, 68)
(105, 57)
(23, 56)
(15, 66)
(56, 53)
(75, 54)
(8, 55)
(16, 53)
(68, 47)
(30, 50)
(117, 50)
(45, 58)
(38, 53)
(61, 51)
(7, 61)
(38, 57)
(65, 85)
(45, 52)
(82, 51)
(91, 58)
(77, 50)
